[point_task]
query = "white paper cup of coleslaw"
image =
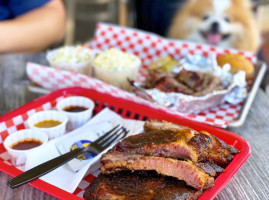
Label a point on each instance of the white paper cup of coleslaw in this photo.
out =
(116, 67)
(76, 59)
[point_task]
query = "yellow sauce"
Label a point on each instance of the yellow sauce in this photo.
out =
(47, 124)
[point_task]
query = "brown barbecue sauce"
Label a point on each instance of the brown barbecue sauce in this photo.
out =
(26, 144)
(75, 109)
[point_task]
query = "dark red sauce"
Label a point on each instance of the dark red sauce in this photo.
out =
(25, 144)
(75, 109)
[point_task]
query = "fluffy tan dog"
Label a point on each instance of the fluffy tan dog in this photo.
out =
(225, 23)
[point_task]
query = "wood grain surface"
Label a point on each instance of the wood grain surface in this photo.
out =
(250, 183)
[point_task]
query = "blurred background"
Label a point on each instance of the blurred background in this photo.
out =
(83, 15)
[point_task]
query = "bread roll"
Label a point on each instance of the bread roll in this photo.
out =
(237, 62)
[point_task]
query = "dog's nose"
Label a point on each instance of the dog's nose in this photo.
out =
(214, 27)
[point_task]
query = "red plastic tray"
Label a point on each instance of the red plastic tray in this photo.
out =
(130, 110)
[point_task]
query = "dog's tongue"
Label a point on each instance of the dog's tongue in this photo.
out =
(213, 38)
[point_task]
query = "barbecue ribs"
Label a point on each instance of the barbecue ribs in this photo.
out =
(167, 161)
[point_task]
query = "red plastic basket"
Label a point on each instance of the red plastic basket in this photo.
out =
(130, 110)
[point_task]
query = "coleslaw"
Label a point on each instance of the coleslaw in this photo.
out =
(115, 59)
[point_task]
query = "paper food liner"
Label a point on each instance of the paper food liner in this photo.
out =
(148, 47)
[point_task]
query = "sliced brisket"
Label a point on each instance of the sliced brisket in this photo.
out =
(187, 171)
(167, 161)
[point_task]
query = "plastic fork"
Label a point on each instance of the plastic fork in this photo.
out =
(96, 147)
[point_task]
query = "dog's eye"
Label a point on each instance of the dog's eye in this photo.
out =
(205, 17)
(227, 19)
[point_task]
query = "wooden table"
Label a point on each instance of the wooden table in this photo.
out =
(251, 181)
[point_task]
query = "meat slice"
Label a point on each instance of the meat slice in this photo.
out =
(139, 185)
(186, 82)
(187, 171)
(166, 143)
(201, 146)
(200, 83)
(165, 82)
(152, 124)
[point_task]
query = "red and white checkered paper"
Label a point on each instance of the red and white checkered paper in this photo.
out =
(52, 79)
(148, 47)
(20, 122)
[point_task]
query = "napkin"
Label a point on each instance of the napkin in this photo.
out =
(68, 176)
(82, 139)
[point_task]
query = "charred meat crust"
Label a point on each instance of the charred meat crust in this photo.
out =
(139, 185)
(200, 141)
(166, 143)
(210, 168)
(218, 152)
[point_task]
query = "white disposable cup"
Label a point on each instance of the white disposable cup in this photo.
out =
(83, 67)
(76, 119)
(18, 157)
(52, 132)
(117, 77)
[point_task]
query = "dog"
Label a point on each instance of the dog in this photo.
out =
(224, 23)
